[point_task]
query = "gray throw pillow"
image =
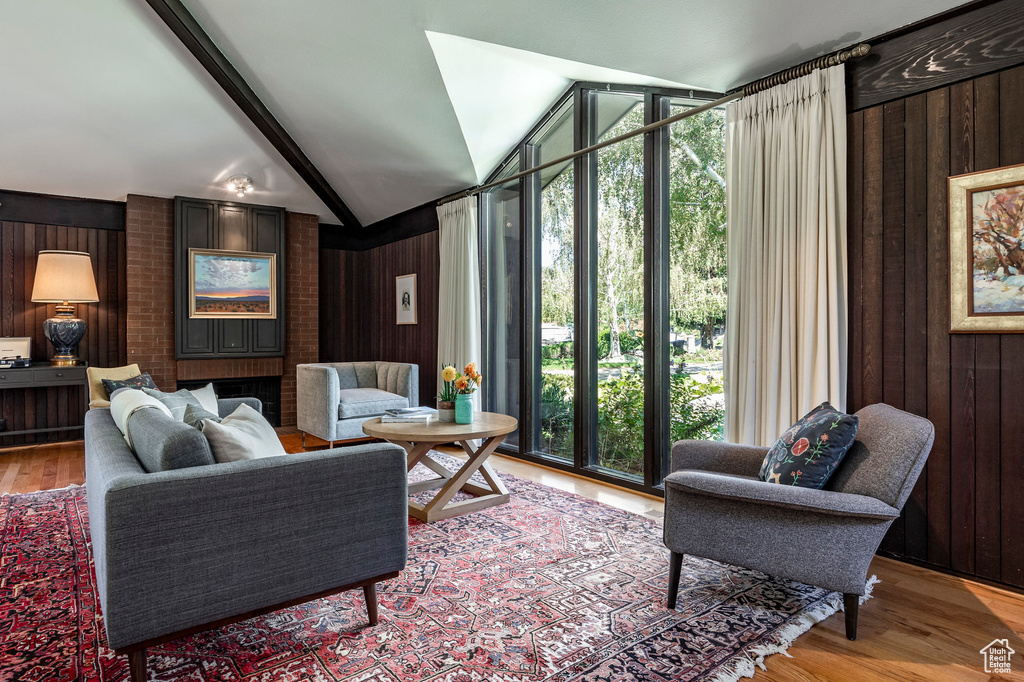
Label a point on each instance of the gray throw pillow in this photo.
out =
(175, 402)
(194, 416)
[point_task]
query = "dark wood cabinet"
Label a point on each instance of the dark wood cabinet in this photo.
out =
(208, 224)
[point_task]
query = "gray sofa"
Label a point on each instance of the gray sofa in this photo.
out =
(186, 549)
(717, 508)
(335, 398)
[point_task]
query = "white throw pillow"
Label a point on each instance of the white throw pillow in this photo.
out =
(207, 398)
(124, 404)
(243, 434)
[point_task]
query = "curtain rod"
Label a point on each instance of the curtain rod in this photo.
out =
(757, 86)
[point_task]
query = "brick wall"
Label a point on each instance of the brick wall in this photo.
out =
(301, 304)
(150, 333)
(150, 244)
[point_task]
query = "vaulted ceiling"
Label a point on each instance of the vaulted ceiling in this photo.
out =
(396, 103)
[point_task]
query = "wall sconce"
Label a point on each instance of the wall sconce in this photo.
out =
(240, 185)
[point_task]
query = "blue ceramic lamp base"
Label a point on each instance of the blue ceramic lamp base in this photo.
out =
(65, 332)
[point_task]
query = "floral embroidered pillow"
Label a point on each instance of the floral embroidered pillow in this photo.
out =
(808, 452)
(139, 382)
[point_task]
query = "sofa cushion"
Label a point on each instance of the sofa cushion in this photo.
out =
(98, 396)
(175, 402)
(346, 376)
(243, 434)
(367, 402)
(141, 381)
(163, 443)
(195, 416)
(808, 452)
(366, 374)
(125, 402)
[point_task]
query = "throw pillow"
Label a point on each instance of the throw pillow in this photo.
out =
(808, 452)
(98, 395)
(195, 416)
(175, 402)
(141, 381)
(125, 404)
(207, 398)
(243, 434)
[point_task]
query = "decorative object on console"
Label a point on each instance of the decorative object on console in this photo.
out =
(240, 185)
(232, 284)
(808, 452)
(12, 347)
(405, 299)
(64, 278)
(986, 264)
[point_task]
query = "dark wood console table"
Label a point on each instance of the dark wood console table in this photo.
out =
(44, 376)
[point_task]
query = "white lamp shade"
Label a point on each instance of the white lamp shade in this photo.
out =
(64, 276)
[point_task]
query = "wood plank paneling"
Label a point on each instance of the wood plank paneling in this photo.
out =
(964, 512)
(358, 289)
(103, 344)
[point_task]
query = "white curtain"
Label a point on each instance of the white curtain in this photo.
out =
(786, 325)
(458, 319)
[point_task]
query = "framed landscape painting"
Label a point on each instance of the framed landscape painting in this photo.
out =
(232, 284)
(405, 299)
(986, 254)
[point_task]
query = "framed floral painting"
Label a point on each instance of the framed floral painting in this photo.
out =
(986, 253)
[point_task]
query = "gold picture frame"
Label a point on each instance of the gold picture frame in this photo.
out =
(986, 251)
(232, 284)
(405, 299)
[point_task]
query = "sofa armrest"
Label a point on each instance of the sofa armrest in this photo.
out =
(752, 490)
(716, 456)
(190, 546)
(226, 406)
(316, 393)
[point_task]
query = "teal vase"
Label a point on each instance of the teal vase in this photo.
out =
(463, 408)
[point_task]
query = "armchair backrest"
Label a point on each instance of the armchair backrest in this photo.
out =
(887, 457)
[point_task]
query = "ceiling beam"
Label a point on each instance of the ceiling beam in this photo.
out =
(198, 42)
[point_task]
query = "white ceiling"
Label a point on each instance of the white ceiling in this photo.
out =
(397, 103)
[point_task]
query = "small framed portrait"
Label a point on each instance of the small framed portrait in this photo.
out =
(986, 252)
(232, 284)
(405, 299)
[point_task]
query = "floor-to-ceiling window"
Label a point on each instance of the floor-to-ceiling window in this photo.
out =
(615, 265)
(697, 274)
(618, 392)
(501, 241)
(550, 193)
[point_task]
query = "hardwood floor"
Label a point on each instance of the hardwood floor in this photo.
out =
(921, 625)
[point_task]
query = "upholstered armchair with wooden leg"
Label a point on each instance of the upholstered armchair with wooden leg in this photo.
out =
(717, 508)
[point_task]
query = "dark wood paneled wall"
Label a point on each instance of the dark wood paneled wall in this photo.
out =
(357, 306)
(966, 510)
(104, 342)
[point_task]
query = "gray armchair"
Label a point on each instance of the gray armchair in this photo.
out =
(717, 508)
(335, 398)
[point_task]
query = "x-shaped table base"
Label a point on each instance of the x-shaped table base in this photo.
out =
(451, 482)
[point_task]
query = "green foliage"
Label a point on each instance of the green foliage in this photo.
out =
(620, 416)
(556, 414)
(629, 342)
(557, 351)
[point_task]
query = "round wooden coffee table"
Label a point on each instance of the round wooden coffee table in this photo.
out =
(419, 439)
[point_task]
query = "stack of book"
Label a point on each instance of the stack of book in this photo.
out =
(408, 415)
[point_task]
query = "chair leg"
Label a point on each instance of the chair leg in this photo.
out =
(137, 665)
(303, 440)
(370, 592)
(675, 564)
(851, 604)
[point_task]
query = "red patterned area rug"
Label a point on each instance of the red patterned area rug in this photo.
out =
(548, 587)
